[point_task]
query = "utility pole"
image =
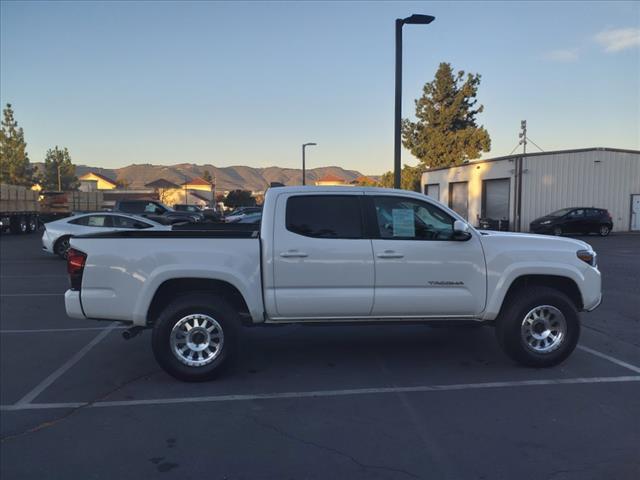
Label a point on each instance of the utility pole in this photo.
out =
(397, 117)
(59, 180)
(304, 170)
(519, 166)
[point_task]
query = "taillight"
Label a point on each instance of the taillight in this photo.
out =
(75, 266)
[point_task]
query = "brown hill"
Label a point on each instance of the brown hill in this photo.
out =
(227, 178)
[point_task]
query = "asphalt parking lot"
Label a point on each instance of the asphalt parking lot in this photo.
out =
(380, 402)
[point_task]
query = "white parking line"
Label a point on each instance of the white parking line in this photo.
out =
(615, 360)
(32, 295)
(322, 393)
(55, 330)
(42, 386)
(56, 275)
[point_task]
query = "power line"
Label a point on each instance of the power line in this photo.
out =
(514, 148)
(534, 143)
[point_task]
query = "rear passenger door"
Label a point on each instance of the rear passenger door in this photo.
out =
(323, 264)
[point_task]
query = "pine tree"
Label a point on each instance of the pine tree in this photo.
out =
(410, 178)
(446, 132)
(14, 160)
(58, 162)
(206, 175)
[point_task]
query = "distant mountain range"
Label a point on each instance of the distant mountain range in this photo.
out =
(227, 178)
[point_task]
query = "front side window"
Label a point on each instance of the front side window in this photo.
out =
(324, 216)
(408, 219)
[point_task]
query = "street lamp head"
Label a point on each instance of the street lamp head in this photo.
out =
(310, 144)
(417, 19)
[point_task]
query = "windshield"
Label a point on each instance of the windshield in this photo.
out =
(560, 213)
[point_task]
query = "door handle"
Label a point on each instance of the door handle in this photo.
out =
(293, 254)
(389, 254)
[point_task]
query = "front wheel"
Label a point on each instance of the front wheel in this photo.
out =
(539, 327)
(557, 231)
(195, 336)
(604, 230)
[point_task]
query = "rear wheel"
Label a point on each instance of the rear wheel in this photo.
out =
(62, 246)
(539, 327)
(32, 224)
(604, 230)
(19, 225)
(195, 336)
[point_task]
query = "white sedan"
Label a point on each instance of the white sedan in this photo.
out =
(56, 235)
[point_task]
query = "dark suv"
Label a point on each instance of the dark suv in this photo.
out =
(574, 220)
(156, 211)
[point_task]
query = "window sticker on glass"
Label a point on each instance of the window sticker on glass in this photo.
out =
(403, 225)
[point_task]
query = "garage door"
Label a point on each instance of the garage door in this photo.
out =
(459, 198)
(495, 199)
(433, 190)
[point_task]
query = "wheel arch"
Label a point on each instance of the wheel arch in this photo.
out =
(561, 283)
(172, 288)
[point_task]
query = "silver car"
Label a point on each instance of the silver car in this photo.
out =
(55, 239)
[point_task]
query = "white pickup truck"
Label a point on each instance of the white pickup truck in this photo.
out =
(331, 255)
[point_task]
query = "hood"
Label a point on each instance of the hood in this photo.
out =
(549, 239)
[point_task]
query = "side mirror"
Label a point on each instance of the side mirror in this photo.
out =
(461, 230)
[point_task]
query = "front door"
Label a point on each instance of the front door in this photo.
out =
(421, 270)
(323, 264)
(635, 212)
(576, 222)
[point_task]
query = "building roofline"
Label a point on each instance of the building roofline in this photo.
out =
(535, 154)
(99, 175)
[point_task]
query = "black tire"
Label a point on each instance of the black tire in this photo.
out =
(61, 247)
(510, 321)
(19, 225)
(182, 307)
(604, 230)
(557, 231)
(32, 224)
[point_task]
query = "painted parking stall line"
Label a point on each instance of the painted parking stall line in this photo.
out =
(60, 330)
(47, 382)
(615, 360)
(323, 393)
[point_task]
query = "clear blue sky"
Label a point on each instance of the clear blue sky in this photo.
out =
(247, 83)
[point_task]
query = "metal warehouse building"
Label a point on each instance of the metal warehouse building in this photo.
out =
(510, 192)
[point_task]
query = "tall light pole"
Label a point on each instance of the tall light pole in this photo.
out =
(305, 145)
(397, 146)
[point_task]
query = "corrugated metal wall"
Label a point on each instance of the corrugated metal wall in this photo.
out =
(597, 178)
(474, 173)
(594, 178)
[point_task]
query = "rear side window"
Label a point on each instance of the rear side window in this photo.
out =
(124, 222)
(325, 216)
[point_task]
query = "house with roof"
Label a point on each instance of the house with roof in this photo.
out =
(198, 183)
(101, 182)
(331, 180)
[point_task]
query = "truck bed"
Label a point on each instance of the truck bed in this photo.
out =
(130, 267)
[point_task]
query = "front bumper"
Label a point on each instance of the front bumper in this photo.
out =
(72, 305)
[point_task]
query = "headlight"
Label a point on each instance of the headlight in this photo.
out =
(588, 257)
(546, 222)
